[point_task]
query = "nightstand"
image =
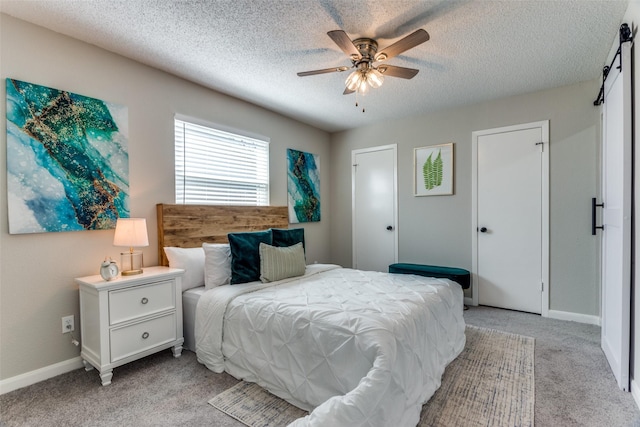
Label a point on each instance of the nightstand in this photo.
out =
(129, 317)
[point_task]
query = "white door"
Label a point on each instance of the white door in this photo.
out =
(511, 216)
(374, 208)
(616, 218)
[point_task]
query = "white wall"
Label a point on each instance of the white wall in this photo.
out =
(437, 230)
(37, 271)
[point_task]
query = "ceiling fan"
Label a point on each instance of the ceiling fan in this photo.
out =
(369, 65)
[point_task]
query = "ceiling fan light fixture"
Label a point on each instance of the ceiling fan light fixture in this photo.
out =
(363, 89)
(375, 78)
(354, 80)
(361, 80)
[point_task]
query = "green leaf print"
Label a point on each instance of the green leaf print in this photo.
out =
(432, 171)
(437, 170)
(427, 173)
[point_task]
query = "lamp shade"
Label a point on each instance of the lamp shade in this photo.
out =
(375, 78)
(354, 80)
(131, 232)
(360, 80)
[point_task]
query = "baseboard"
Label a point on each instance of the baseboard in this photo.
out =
(41, 374)
(635, 392)
(574, 317)
(468, 301)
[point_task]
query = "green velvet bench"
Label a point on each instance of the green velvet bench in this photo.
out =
(458, 275)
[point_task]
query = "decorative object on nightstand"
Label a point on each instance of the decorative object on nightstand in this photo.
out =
(131, 232)
(129, 318)
(108, 269)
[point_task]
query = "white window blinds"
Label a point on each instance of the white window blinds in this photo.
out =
(218, 167)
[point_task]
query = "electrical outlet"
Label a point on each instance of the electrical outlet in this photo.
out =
(68, 324)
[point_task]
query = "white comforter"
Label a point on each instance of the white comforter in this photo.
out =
(356, 348)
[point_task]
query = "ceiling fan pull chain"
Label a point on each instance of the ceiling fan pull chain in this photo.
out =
(357, 105)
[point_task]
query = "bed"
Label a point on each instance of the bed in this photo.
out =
(354, 348)
(185, 228)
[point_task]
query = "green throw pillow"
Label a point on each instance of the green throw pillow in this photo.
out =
(245, 255)
(277, 263)
(287, 236)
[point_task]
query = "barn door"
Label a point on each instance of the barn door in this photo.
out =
(616, 217)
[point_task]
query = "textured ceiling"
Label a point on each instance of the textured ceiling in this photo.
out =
(252, 49)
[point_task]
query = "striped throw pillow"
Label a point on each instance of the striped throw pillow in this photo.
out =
(277, 263)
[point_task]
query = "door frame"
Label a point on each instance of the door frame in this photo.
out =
(354, 242)
(544, 126)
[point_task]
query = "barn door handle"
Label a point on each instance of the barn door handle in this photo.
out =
(389, 228)
(595, 205)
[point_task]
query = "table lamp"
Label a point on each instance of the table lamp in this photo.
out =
(131, 232)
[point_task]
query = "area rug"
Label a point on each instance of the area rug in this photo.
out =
(491, 383)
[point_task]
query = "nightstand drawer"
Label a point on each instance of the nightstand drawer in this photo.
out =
(136, 338)
(140, 301)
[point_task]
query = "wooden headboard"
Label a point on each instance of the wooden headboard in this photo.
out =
(189, 226)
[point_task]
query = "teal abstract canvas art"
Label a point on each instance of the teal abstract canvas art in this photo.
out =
(303, 186)
(67, 160)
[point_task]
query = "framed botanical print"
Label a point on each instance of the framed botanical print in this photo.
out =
(433, 170)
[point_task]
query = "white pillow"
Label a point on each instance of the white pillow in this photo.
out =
(189, 259)
(217, 264)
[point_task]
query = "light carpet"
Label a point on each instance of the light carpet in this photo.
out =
(491, 383)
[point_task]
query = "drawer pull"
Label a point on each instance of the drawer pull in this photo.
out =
(145, 335)
(144, 300)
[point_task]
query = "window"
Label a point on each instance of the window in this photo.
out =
(220, 168)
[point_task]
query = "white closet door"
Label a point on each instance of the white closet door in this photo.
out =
(374, 198)
(511, 193)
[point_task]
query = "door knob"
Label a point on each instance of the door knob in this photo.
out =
(389, 227)
(483, 229)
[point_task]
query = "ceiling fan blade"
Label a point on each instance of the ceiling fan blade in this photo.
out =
(347, 91)
(412, 40)
(393, 71)
(344, 42)
(323, 71)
